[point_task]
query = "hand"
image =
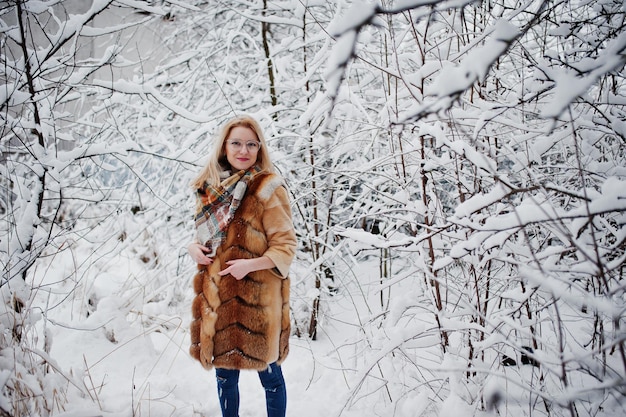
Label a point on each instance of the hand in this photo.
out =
(198, 254)
(238, 268)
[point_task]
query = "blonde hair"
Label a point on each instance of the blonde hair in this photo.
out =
(217, 160)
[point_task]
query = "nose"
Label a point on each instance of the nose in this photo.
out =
(244, 149)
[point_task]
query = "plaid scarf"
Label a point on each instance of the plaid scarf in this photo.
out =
(217, 205)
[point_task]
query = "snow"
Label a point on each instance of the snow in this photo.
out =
(356, 16)
(569, 85)
(489, 236)
(456, 78)
(129, 357)
(128, 87)
(341, 54)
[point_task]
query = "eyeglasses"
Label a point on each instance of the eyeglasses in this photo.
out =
(251, 146)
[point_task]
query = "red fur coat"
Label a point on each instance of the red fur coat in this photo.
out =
(245, 324)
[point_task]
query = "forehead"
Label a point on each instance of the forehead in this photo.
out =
(242, 133)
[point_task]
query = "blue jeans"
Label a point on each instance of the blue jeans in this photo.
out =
(271, 379)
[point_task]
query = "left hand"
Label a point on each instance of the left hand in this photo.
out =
(238, 268)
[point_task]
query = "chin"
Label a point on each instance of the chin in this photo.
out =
(241, 167)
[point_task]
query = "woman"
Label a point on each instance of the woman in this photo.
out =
(245, 245)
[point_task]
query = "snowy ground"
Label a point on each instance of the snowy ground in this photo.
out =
(122, 343)
(149, 373)
(118, 337)
(153, 375)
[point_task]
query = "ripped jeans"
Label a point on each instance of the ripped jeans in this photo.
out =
(271, 379)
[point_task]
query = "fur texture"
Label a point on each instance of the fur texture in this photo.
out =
(245, 324)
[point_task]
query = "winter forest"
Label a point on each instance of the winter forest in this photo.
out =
(457, 171)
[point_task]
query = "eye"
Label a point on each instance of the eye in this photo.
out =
(252, 145)
(235, 143)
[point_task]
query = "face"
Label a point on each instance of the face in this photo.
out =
(242, 147)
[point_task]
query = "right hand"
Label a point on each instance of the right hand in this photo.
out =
(198, 254)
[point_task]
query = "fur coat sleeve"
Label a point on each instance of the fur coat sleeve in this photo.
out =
(245, 324)
(279, 231)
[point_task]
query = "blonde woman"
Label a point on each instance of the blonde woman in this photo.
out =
(245, 243)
